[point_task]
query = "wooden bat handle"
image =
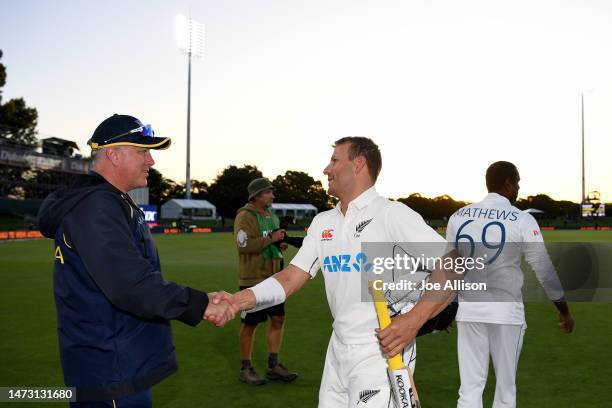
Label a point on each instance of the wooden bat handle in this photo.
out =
(395, 362)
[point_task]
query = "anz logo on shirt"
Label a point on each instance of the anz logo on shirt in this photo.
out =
(347, 263)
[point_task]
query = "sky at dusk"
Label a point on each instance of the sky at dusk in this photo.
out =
(444, 87)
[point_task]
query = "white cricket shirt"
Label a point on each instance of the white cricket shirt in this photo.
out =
(507, 234)
(333, 244)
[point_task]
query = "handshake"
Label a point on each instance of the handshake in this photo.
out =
(222, 307)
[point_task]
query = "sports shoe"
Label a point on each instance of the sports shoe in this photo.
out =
(249, 375)
(280, 372)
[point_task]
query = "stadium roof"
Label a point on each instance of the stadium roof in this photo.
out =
(181, 202)
(63, 142)
(286, 206)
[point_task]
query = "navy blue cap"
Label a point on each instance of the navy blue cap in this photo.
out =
(126, 130)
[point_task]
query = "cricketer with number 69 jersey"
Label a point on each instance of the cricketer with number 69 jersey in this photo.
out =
(491, 321)
(501, 234)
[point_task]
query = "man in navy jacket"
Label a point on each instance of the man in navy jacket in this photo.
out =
(113, 305)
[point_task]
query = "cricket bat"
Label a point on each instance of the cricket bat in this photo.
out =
(402, 383)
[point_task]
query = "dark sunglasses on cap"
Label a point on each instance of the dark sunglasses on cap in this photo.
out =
(145, 131)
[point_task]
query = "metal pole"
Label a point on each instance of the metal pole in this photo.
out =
(582, 108)
(187, 177)
(192, 47)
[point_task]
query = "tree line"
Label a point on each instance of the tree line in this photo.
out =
(444, 206)
(17, 127)
(228, 191)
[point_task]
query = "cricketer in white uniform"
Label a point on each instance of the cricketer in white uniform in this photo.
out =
(355, 370)
(492, 322)
(354, 365)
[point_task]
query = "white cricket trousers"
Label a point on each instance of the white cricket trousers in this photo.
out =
(357, 374)
(475, 343)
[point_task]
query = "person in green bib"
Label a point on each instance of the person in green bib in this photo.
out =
(256, 230)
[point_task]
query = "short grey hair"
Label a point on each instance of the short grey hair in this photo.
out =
(97, 155)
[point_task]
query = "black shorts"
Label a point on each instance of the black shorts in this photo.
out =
(261, 316)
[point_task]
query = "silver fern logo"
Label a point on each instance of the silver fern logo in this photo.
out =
(366, 395)
(361, 226)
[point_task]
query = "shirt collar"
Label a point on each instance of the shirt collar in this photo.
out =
(253, 208)
(498, 197)
(362, 199)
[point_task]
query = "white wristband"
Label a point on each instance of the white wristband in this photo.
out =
(267, 294)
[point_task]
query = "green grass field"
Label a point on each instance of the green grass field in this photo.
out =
(555, 369)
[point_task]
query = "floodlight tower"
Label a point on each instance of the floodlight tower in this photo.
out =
(582, 110)
(190, 40)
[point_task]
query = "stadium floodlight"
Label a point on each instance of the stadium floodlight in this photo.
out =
(190, 40)
(583, 198)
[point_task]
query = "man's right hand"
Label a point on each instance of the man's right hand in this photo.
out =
(242, 300)
(566, 322)
(221, 308)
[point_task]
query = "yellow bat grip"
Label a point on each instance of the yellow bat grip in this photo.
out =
(395, 362)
